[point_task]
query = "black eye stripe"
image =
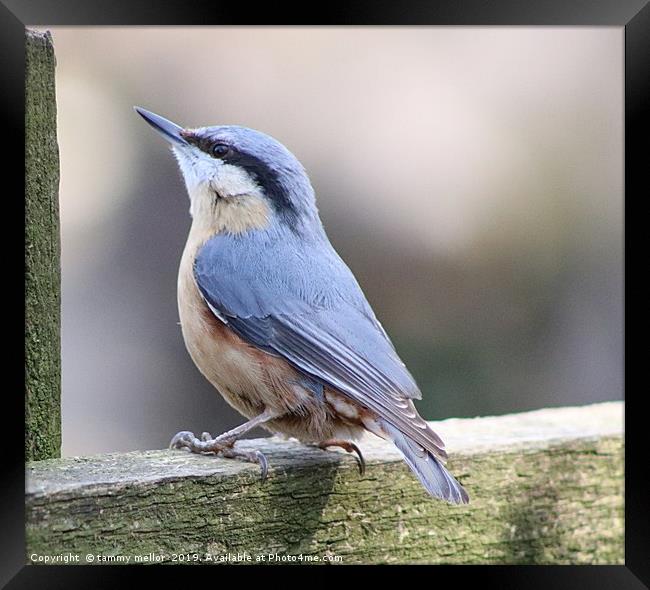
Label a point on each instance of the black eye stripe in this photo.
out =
(220, 150)
(216, 149)
(267, 177)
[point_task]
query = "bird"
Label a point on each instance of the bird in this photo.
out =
(273, 317)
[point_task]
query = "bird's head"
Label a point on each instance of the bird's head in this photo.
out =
(239, 179)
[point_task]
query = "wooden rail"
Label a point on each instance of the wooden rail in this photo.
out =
(546, 487)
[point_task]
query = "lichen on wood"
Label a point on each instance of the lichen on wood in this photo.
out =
(545, 487)
(42, 253)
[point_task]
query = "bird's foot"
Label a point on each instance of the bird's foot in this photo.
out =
(219, 445)
(348, 446)
(206, 444)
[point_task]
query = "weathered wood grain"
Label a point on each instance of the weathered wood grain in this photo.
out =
(42, 253)
(545, 487)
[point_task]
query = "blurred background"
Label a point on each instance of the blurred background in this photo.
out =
(472, 178)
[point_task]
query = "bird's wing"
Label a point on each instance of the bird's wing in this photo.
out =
(317, 318)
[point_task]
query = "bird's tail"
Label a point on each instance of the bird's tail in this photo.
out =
(430, 471)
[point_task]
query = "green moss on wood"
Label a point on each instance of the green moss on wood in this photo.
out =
(541, 495)
(42, 253)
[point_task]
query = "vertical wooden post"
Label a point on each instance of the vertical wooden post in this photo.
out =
(42, 253)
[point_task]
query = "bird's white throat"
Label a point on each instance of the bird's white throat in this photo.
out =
(209, 181)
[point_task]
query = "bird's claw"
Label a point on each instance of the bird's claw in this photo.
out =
(348, 446)
(250, 456)
(206, 444)
(185, 440)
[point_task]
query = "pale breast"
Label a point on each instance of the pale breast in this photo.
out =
(226, 363)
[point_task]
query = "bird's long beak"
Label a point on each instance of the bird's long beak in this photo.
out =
(170, 131)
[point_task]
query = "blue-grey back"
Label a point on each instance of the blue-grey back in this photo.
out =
(260, 275)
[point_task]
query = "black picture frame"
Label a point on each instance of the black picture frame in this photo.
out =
(634, 15)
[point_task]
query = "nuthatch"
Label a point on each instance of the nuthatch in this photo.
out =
(273, 317)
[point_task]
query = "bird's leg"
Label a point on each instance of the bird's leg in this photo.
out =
(224, 443)
(348, 446)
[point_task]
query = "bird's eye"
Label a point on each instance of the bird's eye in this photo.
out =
(219, 150)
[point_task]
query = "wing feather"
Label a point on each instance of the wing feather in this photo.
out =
(324, 328)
